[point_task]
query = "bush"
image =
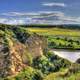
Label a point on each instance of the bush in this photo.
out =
(28, 74)
(43, 64)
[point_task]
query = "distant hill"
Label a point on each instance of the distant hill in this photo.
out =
(66, 26)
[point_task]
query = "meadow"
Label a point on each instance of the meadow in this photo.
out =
(55, 31)
(59, 38)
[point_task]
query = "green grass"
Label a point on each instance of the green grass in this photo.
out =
(54, 76)
(63, 42)
(59, 38)
(61, 75)
(55, 31)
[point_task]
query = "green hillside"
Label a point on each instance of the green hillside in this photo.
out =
(25, 54)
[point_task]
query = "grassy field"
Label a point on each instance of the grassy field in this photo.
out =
(60, 38)
(56, 31)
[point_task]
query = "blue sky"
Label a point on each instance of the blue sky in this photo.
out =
(40, 11)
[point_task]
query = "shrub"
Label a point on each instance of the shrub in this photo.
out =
(27, 74)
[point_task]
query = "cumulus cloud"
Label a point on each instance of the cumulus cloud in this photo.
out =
(49, 4)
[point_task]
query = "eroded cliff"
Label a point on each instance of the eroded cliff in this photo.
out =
(17, 49)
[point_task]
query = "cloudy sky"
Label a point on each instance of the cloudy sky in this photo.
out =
(40, 11)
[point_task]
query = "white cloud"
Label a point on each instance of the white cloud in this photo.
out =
(2, 20)
(20, 14)
(53, 4)
(41, 17)
(15, 21)
(40, 14)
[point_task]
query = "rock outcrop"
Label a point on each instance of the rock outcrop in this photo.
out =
(14, 54)
(78, 61)
(36, 44)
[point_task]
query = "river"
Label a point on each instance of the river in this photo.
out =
(67, 54)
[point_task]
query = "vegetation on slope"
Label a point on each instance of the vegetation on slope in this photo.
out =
(63, 42)
(49, 67)
(45, 67)
(11, 51)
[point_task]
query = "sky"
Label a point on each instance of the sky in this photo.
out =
(40, 11)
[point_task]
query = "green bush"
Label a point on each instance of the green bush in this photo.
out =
(43, 64)
(63, 42)
(27, 74)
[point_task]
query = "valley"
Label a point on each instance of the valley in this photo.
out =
(32, 55)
